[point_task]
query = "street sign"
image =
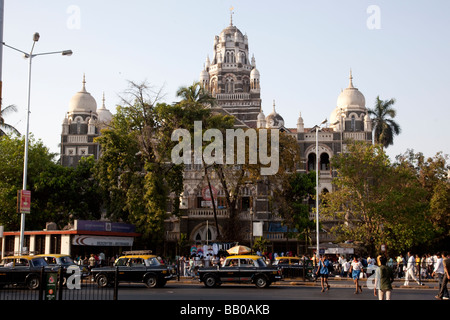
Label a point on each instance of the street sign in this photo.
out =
(50, 286)
(24, 201)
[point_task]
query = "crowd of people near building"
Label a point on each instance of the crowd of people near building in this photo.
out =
(408, 267)
(385, 269)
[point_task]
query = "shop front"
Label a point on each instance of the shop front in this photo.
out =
(80, 240)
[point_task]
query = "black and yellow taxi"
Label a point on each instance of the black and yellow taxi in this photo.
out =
(22, 270)
(135, 266)
(65, 262)
(288, 261)
(294, 267)
(240, 269)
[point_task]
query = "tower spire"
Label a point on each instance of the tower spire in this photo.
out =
(350, 85)
(84, 83)
(231, 16)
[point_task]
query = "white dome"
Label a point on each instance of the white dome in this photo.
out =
(351, 96)
(349, 99)
(82, 101)
(254, 74)
(204, 75)
(274, 120)
(104, 115)
(261, 116)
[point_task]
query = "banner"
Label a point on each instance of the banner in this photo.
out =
(82, 240)
(24, 201)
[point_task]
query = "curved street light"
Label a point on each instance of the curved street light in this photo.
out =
(30, 56)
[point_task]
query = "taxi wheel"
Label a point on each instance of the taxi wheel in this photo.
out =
(210, 281)
(151, 281)
(33, 282)
(102, 281)
(262, 282)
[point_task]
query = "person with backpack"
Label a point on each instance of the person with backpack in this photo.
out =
(323, 271)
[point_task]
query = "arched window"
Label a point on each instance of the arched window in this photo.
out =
(205, 233)
(246, 85)
(324, 161)
(229, 85)
(311, 162)
(353, 125)
(78, 125)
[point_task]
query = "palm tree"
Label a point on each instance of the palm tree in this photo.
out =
(196, 94)
(4, 127)
(384, 127)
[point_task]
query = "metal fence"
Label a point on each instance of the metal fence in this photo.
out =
(58, 286)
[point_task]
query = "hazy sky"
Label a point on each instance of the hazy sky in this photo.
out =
(303, 49)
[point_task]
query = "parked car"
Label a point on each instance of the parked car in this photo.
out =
(135, 267)
(64, 261)
(240, 269)
(22, 270)
(294, 267)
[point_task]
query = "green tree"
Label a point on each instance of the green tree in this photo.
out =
(293, 202)
(432, 174)
(137, 176)
(384, 127)
(377, 202)
(4, 127)
(58, 194)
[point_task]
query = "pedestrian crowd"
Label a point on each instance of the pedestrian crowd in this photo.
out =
(386, 270)
(95, 260)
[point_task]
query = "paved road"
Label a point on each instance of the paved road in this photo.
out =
(342, 290)
(191, 300)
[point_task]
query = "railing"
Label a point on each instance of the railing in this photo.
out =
(77, 139)
(55, 285)
(232, 96)
(207, 213)
(355, 135)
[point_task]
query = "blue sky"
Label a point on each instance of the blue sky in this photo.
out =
(303, 50)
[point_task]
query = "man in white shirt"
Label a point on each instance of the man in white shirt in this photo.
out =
(438, 270)
(410, 270)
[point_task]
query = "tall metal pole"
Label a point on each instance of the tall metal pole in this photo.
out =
(317, 192)
(317, 186)
(2, 4)
(25, 157)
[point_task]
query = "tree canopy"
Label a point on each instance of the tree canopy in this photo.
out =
(376, 202)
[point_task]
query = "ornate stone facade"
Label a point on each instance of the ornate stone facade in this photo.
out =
(81, 125)
(235, 82)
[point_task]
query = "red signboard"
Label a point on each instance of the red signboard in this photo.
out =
(24, 201)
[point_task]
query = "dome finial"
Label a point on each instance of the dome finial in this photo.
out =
(274, 106)
(351, 79)
(84, 82)
(103, 101)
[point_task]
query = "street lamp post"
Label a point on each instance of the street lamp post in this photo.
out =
(30, 56)
(317, 185)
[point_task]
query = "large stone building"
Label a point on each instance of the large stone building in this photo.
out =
(81, 126)
(233, 79)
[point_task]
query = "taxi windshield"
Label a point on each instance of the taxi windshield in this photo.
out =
(261, 262)
(152, 262)
(39, 262)
(67, 260)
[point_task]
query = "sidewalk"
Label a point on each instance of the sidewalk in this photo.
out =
(337, 282)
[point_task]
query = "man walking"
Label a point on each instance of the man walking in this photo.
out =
(410, 270)
(443, 292)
